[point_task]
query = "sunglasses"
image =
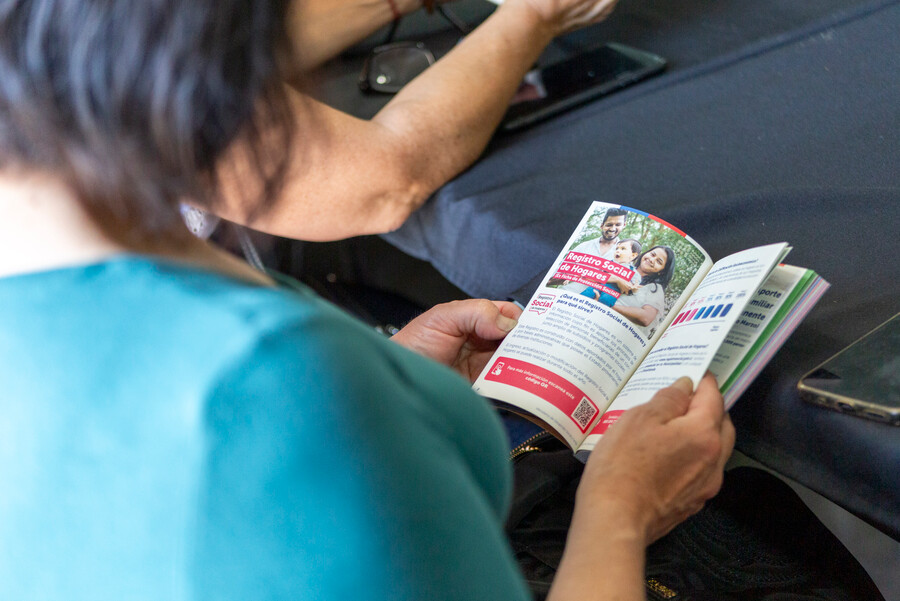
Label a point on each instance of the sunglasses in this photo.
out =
(392, 65)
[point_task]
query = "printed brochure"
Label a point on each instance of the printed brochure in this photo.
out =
(631, 304)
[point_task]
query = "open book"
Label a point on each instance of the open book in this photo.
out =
(630, 305)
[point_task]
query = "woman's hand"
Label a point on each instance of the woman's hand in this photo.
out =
(642, 316)
(654, 467)
(461, 334)
(319, 30)
(661, 461)
(625, 286)
(569, 15)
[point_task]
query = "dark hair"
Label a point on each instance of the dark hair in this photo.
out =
(635, 245)
(663, 276)
(615, 213)
(134, 103)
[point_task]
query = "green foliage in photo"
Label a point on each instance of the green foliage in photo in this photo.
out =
(650, 233)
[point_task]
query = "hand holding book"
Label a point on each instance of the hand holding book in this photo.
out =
(461, 334)
(656, 467)
(587, 348)
(665, 488)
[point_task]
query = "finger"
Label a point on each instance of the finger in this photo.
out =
(606, 12)
(601, 10)
(728, 437)
(707, 402)
(506, 318)
(672, 401)
(480, 317)
(508, 309)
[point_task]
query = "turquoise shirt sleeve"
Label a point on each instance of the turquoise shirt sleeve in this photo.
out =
(339, 466)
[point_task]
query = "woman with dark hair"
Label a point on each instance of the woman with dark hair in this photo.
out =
(645, 304)
(176, 426)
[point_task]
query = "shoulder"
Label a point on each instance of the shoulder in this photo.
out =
(292, 450)
(656, 290)
(343, 459)
(653, 295)
(349, 462)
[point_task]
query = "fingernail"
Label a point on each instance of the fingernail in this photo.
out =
(506, 323)
(685, 384)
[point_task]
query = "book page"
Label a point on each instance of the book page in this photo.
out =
(774, 311)
(689, 343)
(575, 345)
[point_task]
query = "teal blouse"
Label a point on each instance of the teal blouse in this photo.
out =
(169, 433)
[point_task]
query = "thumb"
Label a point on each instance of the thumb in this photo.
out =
(487, 319)
(672, 401)
(504, 323)
(480, 317)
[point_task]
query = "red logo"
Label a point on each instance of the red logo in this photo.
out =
(541, 303)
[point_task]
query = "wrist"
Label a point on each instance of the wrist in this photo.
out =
(395, 10)
(613, 515)
(544, 28)
(544, 19)
(600, 563)
(406, 7)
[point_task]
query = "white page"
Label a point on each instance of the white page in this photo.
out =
(753, 320)
(570, 354)
(763, 328)
(695, 334)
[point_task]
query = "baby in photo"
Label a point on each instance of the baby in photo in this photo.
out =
(626, 252)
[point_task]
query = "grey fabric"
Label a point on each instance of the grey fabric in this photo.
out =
(794, 137)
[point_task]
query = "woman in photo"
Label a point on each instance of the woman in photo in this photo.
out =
(645, 304)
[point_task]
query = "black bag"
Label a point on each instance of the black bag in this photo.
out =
(756, 540)
(546, 478)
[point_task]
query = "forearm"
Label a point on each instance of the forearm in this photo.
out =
(604, 559)
(349, 176)
(640, 315)
(624, 286)
(447, 115)
(320, 29)
(654, 467)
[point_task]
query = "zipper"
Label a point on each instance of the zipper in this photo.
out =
(529, 445)
(657, 591)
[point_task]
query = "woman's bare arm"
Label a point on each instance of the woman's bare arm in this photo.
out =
(655, 467)
(643, 315)
(320, 29)
(351, 176)
(625, 286)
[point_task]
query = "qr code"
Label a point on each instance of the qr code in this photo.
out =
(584, 413)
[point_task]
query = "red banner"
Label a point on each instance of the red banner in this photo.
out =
(546, 384)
